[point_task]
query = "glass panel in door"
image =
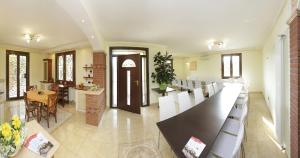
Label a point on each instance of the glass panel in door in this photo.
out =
(13, 76)
(22, 75)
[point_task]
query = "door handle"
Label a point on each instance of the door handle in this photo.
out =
(137, 82)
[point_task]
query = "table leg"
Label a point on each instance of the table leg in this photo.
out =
(39, 113)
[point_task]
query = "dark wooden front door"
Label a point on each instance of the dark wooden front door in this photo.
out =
(129, 83)
(17, 74)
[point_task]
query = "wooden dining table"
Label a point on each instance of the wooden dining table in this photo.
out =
(204, 121)
(40, 96)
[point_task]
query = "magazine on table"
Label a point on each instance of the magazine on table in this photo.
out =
(193, 148)
(39, 144)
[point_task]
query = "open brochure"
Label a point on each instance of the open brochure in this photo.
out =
(193, 148)
(39, 144)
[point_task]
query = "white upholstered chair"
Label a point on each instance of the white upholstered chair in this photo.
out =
(184, 101)
(210, 90)
(167, 110)
(227, 145)
(198, 95)
(215, 86)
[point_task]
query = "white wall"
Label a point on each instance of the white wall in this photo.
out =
(35, 67)
(269, 70)
(179, 67)
(209, 68)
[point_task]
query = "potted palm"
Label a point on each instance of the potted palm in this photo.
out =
(164, 72)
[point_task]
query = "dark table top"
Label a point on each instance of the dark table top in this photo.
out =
(163, 91)
(203, 121)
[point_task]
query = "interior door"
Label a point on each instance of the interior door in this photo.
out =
(17, 74)
(129, 83)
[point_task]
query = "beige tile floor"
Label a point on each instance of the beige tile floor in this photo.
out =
(119, 127)
(79, 140)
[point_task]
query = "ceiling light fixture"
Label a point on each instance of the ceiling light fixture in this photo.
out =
(82, 21)
(215, 45)
(31, 37)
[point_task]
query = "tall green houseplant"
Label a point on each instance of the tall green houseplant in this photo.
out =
(164, 73)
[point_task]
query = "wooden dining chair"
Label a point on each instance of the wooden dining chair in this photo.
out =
(30, 88)
(54, 87)
(30, 108)
(51, 108)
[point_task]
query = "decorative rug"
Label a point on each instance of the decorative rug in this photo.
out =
(62, 116)
(143, 149)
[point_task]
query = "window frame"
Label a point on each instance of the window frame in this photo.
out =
(231, 65)
(64, 54)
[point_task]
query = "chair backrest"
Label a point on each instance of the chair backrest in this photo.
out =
(184, 101)
(167, 107)
(174, 82)
(215, 86)
(210, 90)
(239, 141)
(190, 84)
(197, 84)
(30, 88)
(244, 112)
(184, 84)
(54, 87)
(198, 94)
(25, 98)
(52, 102)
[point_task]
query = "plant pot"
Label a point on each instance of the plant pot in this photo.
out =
(163, 86)
(16, 151)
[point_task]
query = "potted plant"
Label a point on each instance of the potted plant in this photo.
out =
(12, 135)
(164, 73)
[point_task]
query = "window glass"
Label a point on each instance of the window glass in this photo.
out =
(60, 68)
(128, 63)
(226, 62)
(69, 67)
(115, 81)
(65, 70)
(235, 66)
(128, 87)
(231, 66)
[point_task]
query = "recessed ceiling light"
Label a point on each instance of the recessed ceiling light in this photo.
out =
(82, 21)
(92, 36)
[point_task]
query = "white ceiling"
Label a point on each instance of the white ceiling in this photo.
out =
(186, 25)
(44, 17)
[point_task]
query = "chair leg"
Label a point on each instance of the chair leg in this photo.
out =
(26, 116)
(158, 142)
(245, 133)
(55, 117)
(243, 151)
(48, 119)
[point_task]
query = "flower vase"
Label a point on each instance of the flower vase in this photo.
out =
(15, 152)
(163, 86)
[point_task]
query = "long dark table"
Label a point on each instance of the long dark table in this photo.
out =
(204, 121)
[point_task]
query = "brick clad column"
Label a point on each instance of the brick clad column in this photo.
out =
(99, 71)
(294, 84)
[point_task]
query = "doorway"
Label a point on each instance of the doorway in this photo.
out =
(129, 78)
(17, 74)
